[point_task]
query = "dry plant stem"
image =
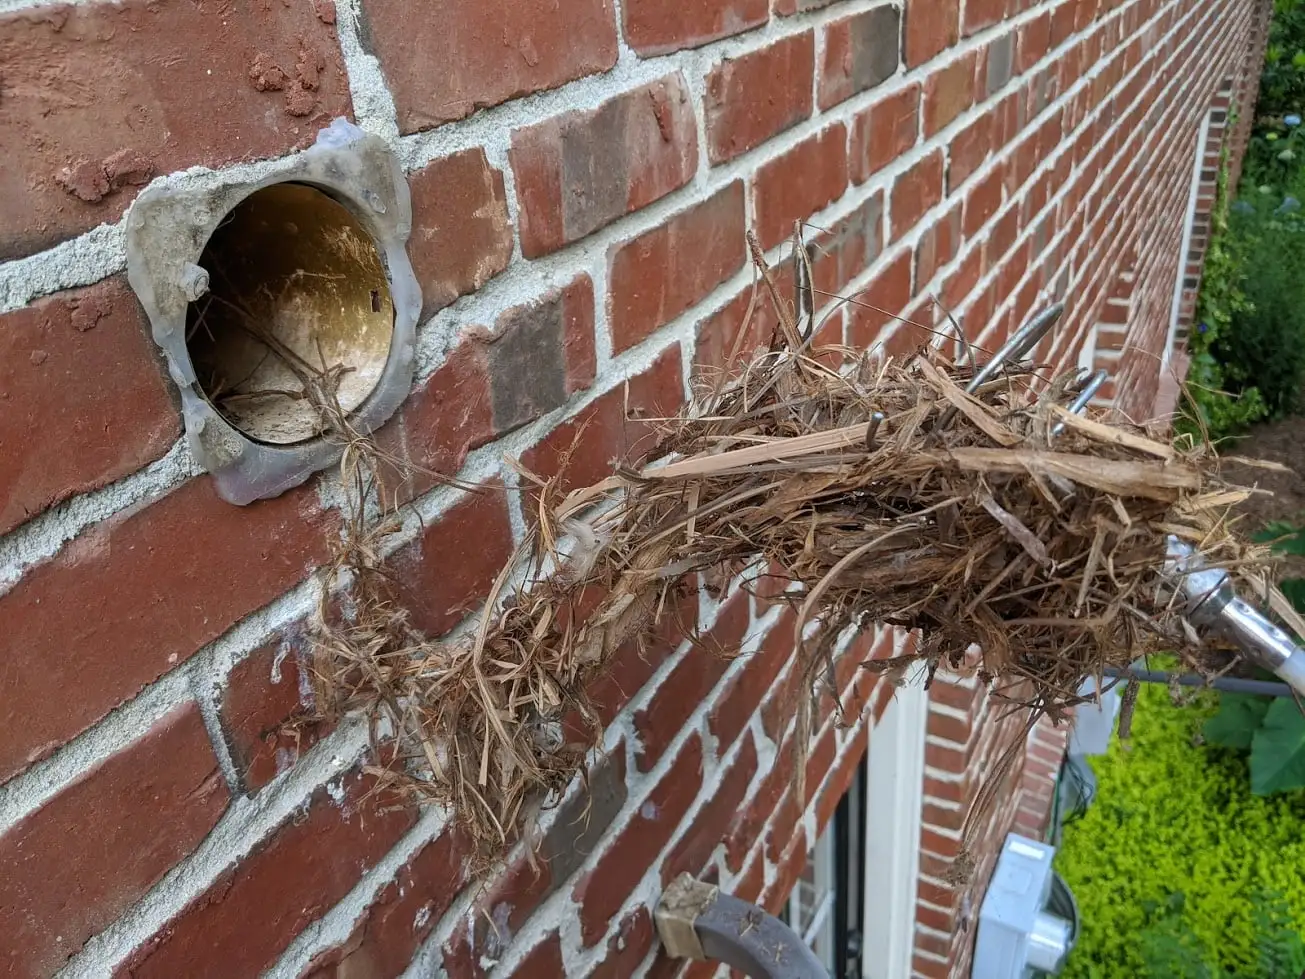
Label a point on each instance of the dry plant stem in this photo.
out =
(975, 536)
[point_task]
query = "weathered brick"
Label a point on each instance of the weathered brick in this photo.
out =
(884, 131)
(937, 247)
(999, 63)
(540, 354)
(64, 431)
(787, 8)
(682, 691)
(947, 93)
(253, 911)
(743, 694)
(440, 422)
(267, 706)
(861, 52)
(848, 247)
(603, 890)
(737, 120)
(88, 853)
(970, 148)
(932, 26)
(982, 202)
(402, 914)
(709, 826)
(461, 235)
(983, 13)
(916, 192)
(479, 65)
(545, 959)
(100, 98)
(790, 865)
(150, 587)
(876, 308)
(1034, 42)
(580, 171)
(660, 26)
(840, 777)
(446, 572)
(799, 183)
(663, 272)
(628, 947)
(608, 435)
(718, 333)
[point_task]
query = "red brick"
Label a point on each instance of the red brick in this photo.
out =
(540, 353)
(150, 587)
(479, 65)
(983, 13)
(884, 131)
(969, 149)
(848, 248)
(745, 829)
(447, 572)
(253, 911)
(938, 246)
(627, 948)
(982, 202)
(667, 270)
(709, 827)
(461, 235)
(861, 52)
(916, 192)
(608, 435)
(88, 853)
(1034, 42)
(932, 26)
(930, 968)
(489, 927)
(100, 98)
(604, 889)
(877, 307)
(799, 183)
(742, 696)
(440, 422)
(791, 865)
(545, 959)
(580, 171)
(634, 663)
(718, 333)
(1002, 237)
(840, 778)
(683, 690)
(402, 914)
(267, 708)
(958, 286)
(660, 26)
(737, 120)
(947, 93)
(64, 431)
(787, 8)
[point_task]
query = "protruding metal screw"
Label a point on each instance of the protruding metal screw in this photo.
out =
(194, 282)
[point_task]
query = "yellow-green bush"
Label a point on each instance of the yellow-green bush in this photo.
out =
(1172, 817)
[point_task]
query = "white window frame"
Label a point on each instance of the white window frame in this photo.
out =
(894, 803)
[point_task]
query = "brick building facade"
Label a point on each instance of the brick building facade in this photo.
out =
(582, 174)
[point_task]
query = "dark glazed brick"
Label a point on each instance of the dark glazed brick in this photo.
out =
(860, 53)
(581, 171)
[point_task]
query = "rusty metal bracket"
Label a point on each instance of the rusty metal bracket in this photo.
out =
(696, 921)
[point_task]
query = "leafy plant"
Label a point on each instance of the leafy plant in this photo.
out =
(1169, 818)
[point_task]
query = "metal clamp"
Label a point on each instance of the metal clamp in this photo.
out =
(696, 921)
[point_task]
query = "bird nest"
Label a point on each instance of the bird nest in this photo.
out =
(1023, 541)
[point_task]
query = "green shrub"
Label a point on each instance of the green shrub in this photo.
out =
(1176, 857)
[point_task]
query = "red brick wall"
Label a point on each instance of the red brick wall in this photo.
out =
(157, 814)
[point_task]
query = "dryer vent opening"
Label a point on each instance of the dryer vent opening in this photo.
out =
(297, 289)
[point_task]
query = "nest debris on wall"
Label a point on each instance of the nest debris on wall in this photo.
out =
(883, 489)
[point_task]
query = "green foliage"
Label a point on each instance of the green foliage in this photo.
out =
(1278, 750)
(1172, 818)
(1282, 86)
(1240, 716)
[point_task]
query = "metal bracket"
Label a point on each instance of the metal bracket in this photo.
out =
(696, 921)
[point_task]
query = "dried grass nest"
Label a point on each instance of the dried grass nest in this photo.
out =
(958, 516)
